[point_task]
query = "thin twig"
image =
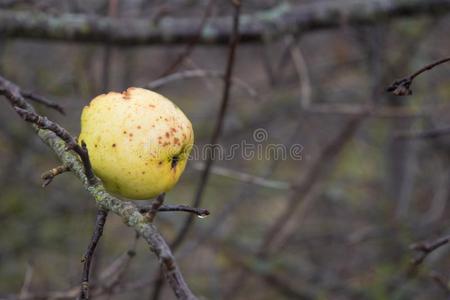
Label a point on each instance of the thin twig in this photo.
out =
(201, 212)
(429, 67)
(234, 40)
(301, 68)
(14, 95)
(441, 282)
(44, 123)
(109, 283)
(157, 286)
(425, 248)
(303, 188)
(301, 191)
(160, 82)
(219, 124)
(113, 275)
(402, 87)
(39, 99)
(191, 45)
(245, 177)
(25, 290)
(427, 134)
(352, 109)
(126, 210)
(48, 176)
(154, 208)
(87, 259)
(108, 49)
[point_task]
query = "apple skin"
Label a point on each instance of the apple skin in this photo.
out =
(138, 142)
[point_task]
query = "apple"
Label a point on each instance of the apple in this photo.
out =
(138, 142)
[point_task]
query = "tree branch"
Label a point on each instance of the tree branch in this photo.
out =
(127, 210)
(41, 100)
(257, 27)
(233, 42)
(154, 208)
(87, 259)
(402, 87)
(200, 212)
(48, 176)
(191, 45)
(426, 248)
(188, 74)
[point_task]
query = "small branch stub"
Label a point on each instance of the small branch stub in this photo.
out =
(150, 215)
(48, 176)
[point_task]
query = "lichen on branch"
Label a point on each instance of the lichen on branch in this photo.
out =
(125, 209)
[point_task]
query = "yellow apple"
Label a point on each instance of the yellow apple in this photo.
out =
(138, 142)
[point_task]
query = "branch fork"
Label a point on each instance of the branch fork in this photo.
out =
(60, 141)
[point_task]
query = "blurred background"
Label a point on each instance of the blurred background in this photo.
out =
(335, 224)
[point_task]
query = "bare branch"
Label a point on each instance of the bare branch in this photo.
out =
(112, 275)
(304, 187)
(158, 83)
(234, 40)
(302, 70)
(441, 282)
(201, 212)
(154, 208)
(25, 290)
(190, 47)
(402, 87)
(257, 27)
(426, 248)
(233, 43)
(427, 134)
(110, 281)
(245, 177)
(41, 100)
(87, 259)
(58, 139)
(44, 123)
(48, 176)
(14, 95)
